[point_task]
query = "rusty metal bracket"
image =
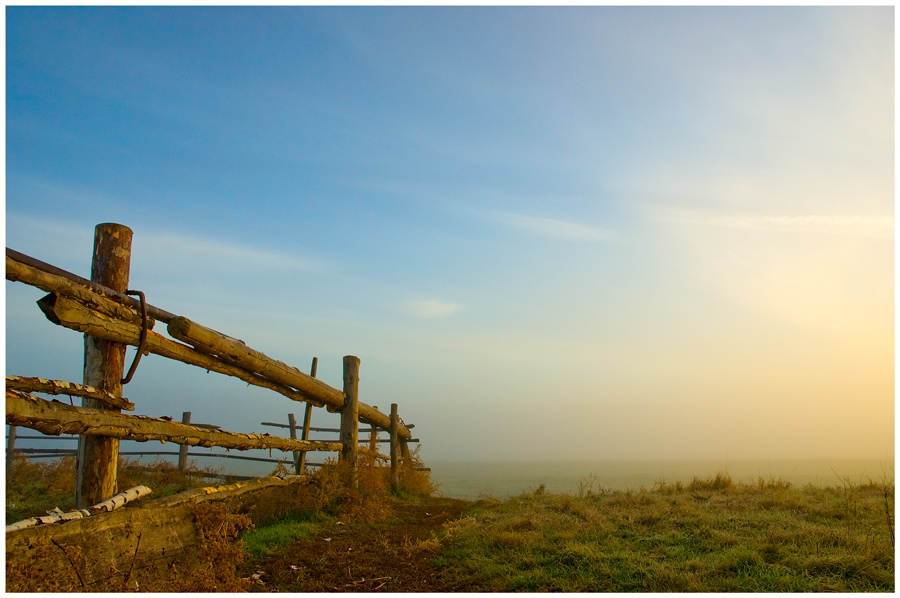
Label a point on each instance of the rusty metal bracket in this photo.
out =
(143, 341)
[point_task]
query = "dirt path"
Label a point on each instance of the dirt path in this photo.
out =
(394, 556)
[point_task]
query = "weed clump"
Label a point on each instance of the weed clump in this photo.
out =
(213, 567)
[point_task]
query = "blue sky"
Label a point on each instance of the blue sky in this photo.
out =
(586, 232)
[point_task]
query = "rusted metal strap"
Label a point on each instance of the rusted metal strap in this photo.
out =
(143, 341)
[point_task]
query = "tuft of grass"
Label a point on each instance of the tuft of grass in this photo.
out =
(265, 541)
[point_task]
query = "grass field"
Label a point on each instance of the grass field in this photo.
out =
(709, 535)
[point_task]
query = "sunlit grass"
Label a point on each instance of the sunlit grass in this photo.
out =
(710, 535)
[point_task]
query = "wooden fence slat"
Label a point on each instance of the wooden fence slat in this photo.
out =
(99, 289)
(52, 283)
(72, 314)
(75, 316)
(54, 417)
(62, 387)
(238, 353)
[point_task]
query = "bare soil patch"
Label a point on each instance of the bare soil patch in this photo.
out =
(392, 556)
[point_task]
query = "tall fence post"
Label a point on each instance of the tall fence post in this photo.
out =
(104, 365)
(395, 462)
(183, 451)
(307, 416)
(350, 416)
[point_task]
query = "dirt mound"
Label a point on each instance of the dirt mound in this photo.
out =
(393, 556)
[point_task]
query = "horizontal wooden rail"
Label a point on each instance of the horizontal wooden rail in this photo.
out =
(29, 411)
(75, 316)
(59, 273)
(314, 429)
(61, 387)
(72, 314)
(236, 352)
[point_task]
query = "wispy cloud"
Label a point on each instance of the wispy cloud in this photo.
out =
(556, 229)
(870, 226)
(227, 256)
(431, 308)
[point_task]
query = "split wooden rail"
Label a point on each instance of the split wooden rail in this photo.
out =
(111, 317)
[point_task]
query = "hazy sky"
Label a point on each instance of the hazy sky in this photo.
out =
(548, 233)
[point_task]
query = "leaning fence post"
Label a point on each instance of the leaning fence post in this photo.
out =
(404, 451)
(350, 416)
(183, 451)
(104, 365)
(395, 463)
(307, 415)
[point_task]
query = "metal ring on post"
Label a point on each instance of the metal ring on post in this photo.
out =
(140, 351)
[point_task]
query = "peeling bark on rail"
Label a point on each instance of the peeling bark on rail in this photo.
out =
(52, 283)
(55, 418)
(75, 316)
(89, 285)
(62, 387)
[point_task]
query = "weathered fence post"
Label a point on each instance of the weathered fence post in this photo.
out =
(307, 416)
(104, 365)
(395, 463)
(10, 448)
(373, 435)
(183, 451)
(350, 416)
(292, 428)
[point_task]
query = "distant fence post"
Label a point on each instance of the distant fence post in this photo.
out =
(350, 416)
(183, 451)
(104, 365)
(10, 448)
(373, 435)
(292, 428)
(307, 416)
(395, 463)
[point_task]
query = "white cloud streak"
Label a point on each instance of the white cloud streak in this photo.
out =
(868, 226)
(556, 229)
(431, 308)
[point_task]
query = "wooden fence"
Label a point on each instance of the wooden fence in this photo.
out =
(111, 317)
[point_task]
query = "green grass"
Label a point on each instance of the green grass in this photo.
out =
(707, 536)
(295, 526)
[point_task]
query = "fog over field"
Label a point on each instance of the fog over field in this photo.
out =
(577, 233)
